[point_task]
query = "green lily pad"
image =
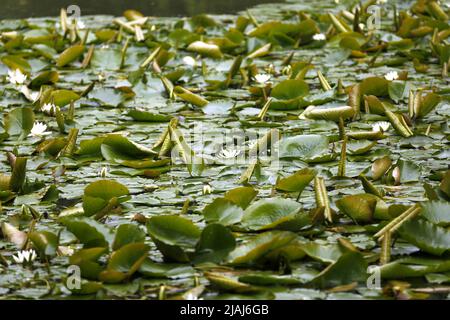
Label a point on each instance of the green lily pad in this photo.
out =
(173, 235)
(69, 55)
(46, 242)
(145, 116)
(223, 211)
(427, 236)
(360, 207)
(127, 233)
(255, 249)
(88, 231)
(117, 147)
(296, 182)
(19, 121)
(350, 267)
(242, 196)
(103, 194)
(216, 241)
(275, 213)
(303, 146)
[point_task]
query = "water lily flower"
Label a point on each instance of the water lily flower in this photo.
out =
(101, 77)
(39, 129)
(287, 70)
(48, 108)
(104, 171)
(319, 37)
(25, 256)
(228, 153)
(30, 95)
(81, 25)
(189, 61)
(65, 251)
(16, 76)
(382, 126)
(191, 296)
(262, 78)
(392, 75)
(207, 189)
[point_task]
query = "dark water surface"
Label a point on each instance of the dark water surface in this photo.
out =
(13, 9)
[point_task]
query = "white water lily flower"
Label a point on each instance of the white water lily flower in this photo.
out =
(30, 95)
(16, 76)
(25, 256)
(191, 296)
(104, 171)
(228, 153)
(189, 61)
(48, 108)
(382, 126)
(319, 37)
(262, 78)
(65, 251)
(392, 75)
(39, 129)
(81, 25)
(207, 189)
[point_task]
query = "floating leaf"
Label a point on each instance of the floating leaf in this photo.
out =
(296, 182)
(46, 242)
(223, 211)
(103, 195)
(215, 243)
(380, 167)
(242, 196)
(190, 97)
(413, 267)
(16, 62)
(228, 284)
(437, 212)
(275, 213)
(127, 233)
(350, 267)
(63, 97)
(19, 121)
(362, 207)
(90, 232)
(165, 270)
(173, 235)
(205, 49)
(332, 113)
(14, 235)
(116, 147)
(255, 249)
(125, 260)
(145, 116)
(445, 184)
(427, 236)
(69, 55)
(45, 77)
(303, 146)
(322, 252)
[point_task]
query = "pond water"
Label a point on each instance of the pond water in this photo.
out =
(14, 9)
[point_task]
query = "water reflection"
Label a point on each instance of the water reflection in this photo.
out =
(12, 9)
